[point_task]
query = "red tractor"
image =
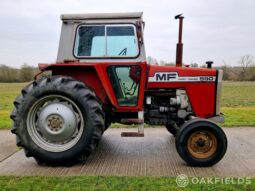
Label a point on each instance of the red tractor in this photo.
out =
(101, 77)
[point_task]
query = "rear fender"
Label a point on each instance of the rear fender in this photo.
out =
(88, 74)
(95, 76)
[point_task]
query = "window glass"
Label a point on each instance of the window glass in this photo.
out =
(106, 41)
(125, 81)
(121, 41)
(91, 41)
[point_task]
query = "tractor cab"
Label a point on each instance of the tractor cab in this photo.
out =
(112, 40)
(115, 37)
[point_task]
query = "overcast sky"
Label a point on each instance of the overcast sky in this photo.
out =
(217, 30)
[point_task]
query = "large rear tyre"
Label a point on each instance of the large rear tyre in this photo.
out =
(57, 120)
(201, 142)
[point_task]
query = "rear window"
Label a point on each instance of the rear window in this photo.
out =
(106, 41)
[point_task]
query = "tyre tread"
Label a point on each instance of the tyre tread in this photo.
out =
(75, 86)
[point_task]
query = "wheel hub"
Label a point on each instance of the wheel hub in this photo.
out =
(57, 122)
(202, 144)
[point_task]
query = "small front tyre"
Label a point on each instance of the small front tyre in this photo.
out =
(201, 142)
(172, 128)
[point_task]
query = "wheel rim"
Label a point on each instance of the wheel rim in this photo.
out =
(202, 144)
(55, 123)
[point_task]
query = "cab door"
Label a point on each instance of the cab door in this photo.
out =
(127, 82)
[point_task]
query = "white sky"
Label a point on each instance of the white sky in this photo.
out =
(213, 30)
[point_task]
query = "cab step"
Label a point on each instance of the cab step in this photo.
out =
(139, 121)
(132, 134)
(131, 121)
(140, 132)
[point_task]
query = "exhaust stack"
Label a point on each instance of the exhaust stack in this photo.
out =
(179, 46)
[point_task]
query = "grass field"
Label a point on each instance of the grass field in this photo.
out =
(8, 92)
(238, 103)
(111, 184)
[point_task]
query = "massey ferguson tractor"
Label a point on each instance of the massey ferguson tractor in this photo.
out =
(101, 77)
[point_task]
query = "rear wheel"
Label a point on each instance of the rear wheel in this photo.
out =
(57, 120)
(201, 142)
(107, 122)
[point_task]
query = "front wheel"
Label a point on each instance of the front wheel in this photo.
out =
(172, 128)
(57, 120)
(201, 142)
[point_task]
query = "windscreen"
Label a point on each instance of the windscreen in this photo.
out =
(106, 41)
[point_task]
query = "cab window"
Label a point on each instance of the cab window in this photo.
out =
(106, 41)
(125, 81)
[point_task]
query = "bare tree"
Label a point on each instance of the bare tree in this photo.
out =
(246, 62)
(226, 71)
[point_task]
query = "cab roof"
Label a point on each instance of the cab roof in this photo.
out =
(127, 15)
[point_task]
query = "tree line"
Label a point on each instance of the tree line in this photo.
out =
(23, 74)
(244, 71)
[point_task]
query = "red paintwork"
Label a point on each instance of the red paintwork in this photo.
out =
(201, 94)
(182, 71)
(95, 76)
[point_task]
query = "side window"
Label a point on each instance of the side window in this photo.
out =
(106, 41)
(125, 81)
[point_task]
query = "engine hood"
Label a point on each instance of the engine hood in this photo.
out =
(180, 74)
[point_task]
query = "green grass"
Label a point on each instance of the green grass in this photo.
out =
(238, 94)
(238, 103)
(8, 92)
(239, 116)
(92, 183)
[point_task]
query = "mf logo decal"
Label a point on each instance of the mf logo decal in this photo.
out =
(165, 76)
(174, 77)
